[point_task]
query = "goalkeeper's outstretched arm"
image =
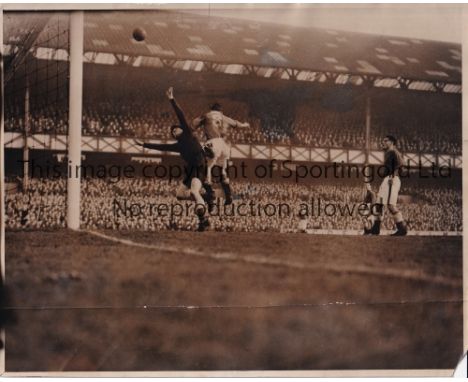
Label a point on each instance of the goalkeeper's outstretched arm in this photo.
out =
(179, 113)
(173, 147)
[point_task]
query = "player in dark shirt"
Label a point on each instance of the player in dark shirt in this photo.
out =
(194, 156)
(392, 158)
(389, 189)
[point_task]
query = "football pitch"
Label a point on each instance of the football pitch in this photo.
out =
(112, 301)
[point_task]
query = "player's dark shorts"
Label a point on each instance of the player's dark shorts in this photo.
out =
(197, 170)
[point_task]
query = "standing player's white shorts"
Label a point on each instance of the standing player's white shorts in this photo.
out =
(221, 151)
(388, 193)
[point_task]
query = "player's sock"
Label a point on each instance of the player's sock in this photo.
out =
(209, 196)
(198, 198)
(375, 230)
(367, 227)
(398, 217)
(203, 222)
(227, 193)
(400, 224)
(200, 210)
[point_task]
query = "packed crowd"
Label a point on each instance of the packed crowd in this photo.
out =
(49, 120)
(308, 125)
(107, 205)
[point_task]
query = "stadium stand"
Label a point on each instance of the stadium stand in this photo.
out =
(119, 69)
(428, 123)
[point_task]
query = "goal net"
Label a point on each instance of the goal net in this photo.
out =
(36, 48)
(36, 98)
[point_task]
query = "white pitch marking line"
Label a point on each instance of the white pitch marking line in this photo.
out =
(406, 274)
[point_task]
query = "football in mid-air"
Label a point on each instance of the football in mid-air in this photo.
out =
(139, 34)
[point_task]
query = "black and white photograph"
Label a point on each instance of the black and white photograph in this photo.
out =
(232, 188)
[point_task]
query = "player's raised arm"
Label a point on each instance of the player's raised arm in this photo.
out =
(179, 113)
(234, 123)
(197, 122)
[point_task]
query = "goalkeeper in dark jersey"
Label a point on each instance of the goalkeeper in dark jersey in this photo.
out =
(194, 156)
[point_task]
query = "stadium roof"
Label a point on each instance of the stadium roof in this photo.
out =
(175, 36)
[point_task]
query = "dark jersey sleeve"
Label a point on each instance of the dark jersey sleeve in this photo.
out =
(162, 147)
(180, 116)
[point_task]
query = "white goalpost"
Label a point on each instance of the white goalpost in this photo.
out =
(75, 117)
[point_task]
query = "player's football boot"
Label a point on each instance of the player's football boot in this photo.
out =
(203, 224)
(401, 230)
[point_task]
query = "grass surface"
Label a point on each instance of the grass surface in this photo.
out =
(87, 303)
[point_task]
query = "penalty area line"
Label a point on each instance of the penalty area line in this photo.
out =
(406, 274)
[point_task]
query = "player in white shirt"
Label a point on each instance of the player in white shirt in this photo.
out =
(215, 125)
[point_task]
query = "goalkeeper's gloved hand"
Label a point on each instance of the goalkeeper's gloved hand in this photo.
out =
(170, 93)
